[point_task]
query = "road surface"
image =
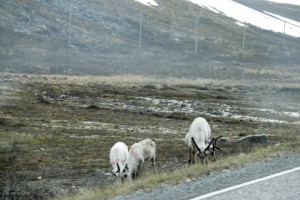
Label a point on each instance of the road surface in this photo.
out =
(284, 185)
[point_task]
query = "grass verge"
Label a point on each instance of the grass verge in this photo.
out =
(150, 182)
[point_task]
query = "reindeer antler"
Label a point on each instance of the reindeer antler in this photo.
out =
(194, 143)
(118, 168)
(215, 144)
(211, 142)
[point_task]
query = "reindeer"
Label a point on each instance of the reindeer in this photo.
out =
(149, 151)
(198, 141)
(118, 155)
(134, 162)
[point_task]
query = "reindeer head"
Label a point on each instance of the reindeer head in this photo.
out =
(202, 155)
(125, 173)
(117, 172)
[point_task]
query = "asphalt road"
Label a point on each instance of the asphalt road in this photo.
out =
(285, 186)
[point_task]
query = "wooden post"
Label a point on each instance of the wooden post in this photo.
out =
(283, 34)
(141, 23)
(70, 21)
(244, 37)
(196, 38)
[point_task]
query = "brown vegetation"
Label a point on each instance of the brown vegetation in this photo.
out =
(56, 131)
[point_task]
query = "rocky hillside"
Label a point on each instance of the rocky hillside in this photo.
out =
(103, 37)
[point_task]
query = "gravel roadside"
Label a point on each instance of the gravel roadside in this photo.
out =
(216, 181)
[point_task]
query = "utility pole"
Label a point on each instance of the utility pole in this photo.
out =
(283, 34)
(196, 38)
(244, 37)
(141, 23)
(70, 24)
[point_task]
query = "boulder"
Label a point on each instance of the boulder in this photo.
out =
(257, 139)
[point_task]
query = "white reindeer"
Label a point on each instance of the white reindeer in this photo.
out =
(118, 155)
(198, 141)
(149, 151)
(133, 163)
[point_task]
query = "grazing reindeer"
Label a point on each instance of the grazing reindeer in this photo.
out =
(197, 139)
(118, 155)
(133, 163)
(149, 151)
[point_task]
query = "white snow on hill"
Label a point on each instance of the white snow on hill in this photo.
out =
(294, 2)
(148, 2)
(243, 14)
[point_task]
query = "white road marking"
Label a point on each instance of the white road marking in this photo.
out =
(245, 184)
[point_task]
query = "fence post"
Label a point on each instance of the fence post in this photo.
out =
(141, 23)
(283, 34)
(244, 37)
(196, 37)
(70, 21)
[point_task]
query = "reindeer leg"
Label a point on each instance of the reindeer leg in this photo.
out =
(214, 157)
(153, 165)
(190, 153)
(139, 169)
(193, 156)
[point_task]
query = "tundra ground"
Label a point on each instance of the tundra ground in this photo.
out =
(56, 131)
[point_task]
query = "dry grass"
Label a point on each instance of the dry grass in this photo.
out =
(32, 129)
(275, 74)
(150, 182)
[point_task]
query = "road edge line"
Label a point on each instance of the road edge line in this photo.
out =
(245, 184)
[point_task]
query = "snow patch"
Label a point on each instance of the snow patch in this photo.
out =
(147, 2)
(294, 2)
(242, 14)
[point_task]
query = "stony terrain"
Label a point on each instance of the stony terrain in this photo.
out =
(56, 130)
